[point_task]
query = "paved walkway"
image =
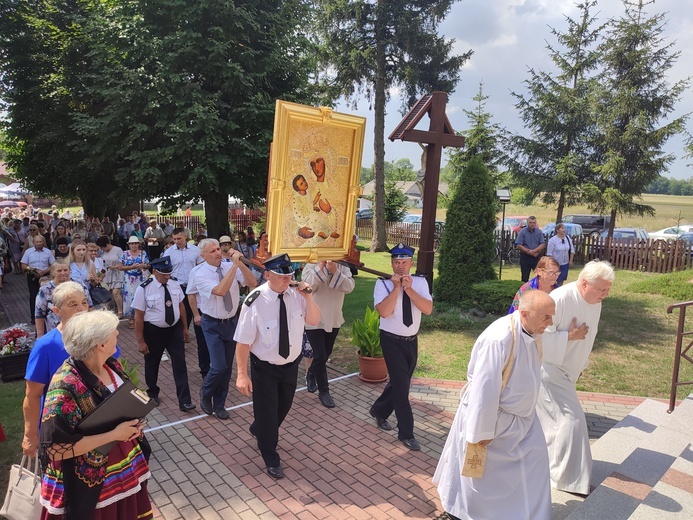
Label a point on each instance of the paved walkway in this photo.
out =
(337, 463)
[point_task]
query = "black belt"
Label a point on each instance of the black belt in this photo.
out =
(150, 324)
(398, 337)
(218, 320)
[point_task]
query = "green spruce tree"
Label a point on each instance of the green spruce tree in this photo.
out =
(467, 248)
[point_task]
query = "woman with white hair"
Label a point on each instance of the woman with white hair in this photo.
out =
(79, 482)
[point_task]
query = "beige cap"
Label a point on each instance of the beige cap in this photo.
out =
(225, 238)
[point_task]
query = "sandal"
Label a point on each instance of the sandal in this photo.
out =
(131, 324)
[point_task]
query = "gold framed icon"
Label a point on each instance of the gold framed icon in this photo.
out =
(314, 182)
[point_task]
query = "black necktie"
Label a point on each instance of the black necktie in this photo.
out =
(406, 309)
(168, 306)
(283, 329)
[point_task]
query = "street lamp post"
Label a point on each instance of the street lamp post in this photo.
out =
(503, 195)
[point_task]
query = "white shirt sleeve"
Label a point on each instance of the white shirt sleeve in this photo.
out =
(138, 302)
(382, 289)
(246, 330)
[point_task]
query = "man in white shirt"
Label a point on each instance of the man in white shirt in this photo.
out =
(567, 346)
(184, 257)
(36, 262)
(217, 283)
(330, 283)
(270, 333)
(154, 237)
(400, 301)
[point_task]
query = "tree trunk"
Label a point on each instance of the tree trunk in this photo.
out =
(217, 214)
(379, 242)
(561, 205)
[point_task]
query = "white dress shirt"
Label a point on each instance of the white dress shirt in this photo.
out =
(328, 290)
(150, 299)
(39, 260)
(183, 260)
(206, 279)
(394, 323)
(258, 325)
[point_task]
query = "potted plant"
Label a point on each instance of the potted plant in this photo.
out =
(15, 345)
(366, 336)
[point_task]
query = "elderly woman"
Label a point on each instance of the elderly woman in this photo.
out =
(547, 272)
(561, 248)
(46, 319)
(79, 482)
(111, 255)
(135, 264)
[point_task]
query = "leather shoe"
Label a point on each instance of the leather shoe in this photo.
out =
(187, 407)
(276, 472)
(206, 406)
(222, 414)
(156, 400)
(412, 444)
(326, 399)
(311, 385)
(382, 423)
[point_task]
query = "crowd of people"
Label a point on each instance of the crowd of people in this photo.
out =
(519, 418)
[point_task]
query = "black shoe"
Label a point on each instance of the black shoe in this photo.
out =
(326, 399)
(311, 385)
(206, 406)
(187, 407)
(156, 400)
(412, 444)
(276, 472)
(222, 414)
(382, 423)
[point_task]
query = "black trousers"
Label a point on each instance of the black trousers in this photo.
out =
(171, 340)
(202, 351)
(274, 387)
(527, 264)
(400, 358)
(322, 343)
(34, 286)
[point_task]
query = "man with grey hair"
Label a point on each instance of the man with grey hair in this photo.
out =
(567, 346)
(36, 262)
(45, 359)
(218, 297)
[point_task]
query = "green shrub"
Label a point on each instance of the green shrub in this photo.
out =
(467, 248)
(494, 296)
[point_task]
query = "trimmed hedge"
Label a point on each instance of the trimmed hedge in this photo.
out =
(493, 296)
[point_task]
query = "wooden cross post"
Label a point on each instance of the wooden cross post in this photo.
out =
(439, 135)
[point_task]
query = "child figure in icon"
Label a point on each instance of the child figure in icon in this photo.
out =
(312, 212)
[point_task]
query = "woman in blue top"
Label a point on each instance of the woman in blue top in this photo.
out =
(135, 263)
(547, 272)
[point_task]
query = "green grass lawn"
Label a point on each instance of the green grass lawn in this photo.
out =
(11, 396)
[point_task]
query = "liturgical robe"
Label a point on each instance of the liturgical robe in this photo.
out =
(558, 408)
(515, 484)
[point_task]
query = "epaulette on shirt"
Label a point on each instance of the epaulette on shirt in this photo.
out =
(251, 298)
(173, 278)
(147, 282)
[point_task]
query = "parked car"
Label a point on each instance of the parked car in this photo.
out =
(410, 226)
(365, 213)
(626, 242)
(572, 230)
(513, 223)
(591, 224)
(672, 232)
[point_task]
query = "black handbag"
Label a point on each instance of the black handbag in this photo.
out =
(100, 295)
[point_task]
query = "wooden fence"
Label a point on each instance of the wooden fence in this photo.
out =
(650, 256)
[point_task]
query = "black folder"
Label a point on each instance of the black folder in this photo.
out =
(125, 404)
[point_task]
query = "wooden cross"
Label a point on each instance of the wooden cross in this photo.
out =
(439, 135)
(475, 461)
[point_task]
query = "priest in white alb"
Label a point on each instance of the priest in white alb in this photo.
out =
(567, 346)
(497, 411)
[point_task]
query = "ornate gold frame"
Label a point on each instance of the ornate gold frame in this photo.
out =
(314, 218)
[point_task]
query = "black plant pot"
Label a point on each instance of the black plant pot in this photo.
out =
(13, 366)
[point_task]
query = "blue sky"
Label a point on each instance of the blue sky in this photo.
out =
(510, 36)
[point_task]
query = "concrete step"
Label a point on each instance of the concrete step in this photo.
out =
(642, 465)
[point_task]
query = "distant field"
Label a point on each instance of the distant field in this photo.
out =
(668, 210)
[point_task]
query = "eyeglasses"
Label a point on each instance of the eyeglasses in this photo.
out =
(553, 273)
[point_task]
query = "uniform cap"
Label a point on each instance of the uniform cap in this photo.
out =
(280, 264)
(402, 251)
(162, 265)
